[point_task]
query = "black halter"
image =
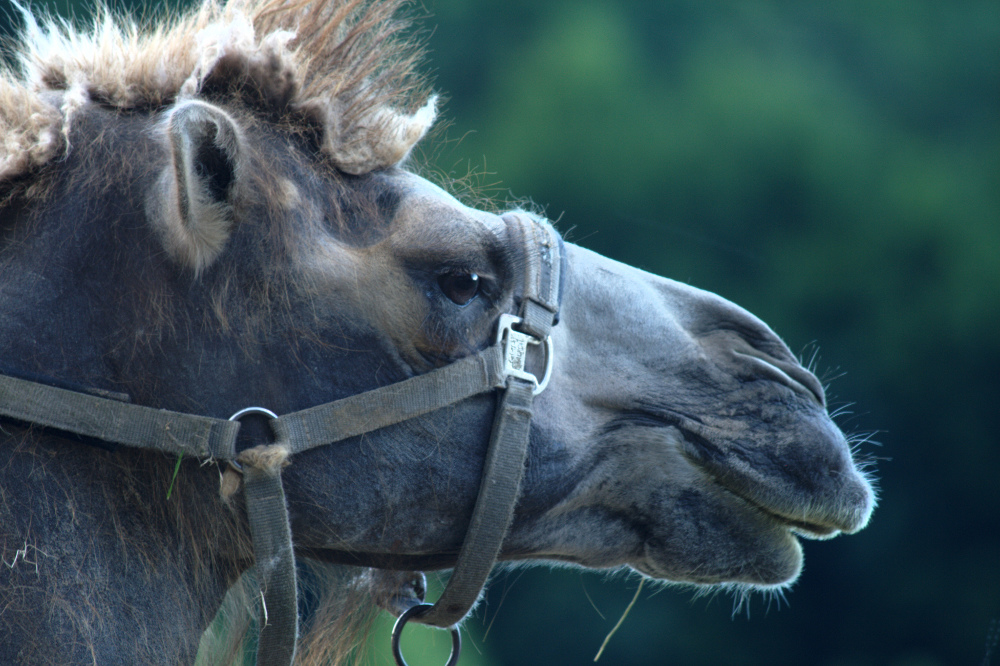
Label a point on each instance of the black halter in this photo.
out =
(500, 366)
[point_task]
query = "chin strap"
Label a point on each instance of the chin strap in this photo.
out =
(500, 366)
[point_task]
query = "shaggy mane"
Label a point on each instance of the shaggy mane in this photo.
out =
(345, 66)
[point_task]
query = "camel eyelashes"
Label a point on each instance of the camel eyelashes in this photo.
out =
(459, 287)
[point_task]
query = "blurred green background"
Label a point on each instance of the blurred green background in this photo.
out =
(834, 167)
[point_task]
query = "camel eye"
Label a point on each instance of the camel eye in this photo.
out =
(460, 288)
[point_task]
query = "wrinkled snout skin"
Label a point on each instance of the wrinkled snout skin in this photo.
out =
(701, 445)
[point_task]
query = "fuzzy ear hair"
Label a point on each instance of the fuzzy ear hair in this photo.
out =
(195, 210)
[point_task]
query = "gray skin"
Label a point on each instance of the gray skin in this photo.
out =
(678, 434)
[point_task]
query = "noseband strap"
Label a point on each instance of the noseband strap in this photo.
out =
(500, 366)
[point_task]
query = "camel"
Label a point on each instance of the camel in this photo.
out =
(217, 213)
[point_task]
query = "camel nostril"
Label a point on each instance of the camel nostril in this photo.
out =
(789, 373)
(808, 380)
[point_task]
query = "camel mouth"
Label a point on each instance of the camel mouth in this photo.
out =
(704, 455)
(820, 515)
(802, 528)
(797, 525)
(819, 526)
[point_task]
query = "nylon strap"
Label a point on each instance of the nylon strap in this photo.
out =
(207, 437)
(498, 493)
(540, 305)
(272, 546)
(503, 470)
(381, 407)
(115, 421)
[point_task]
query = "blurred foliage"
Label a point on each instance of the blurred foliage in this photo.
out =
(835, 169)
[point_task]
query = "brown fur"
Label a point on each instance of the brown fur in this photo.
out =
(343, 66)
(269, 458)
(339, 69)
(142, 484)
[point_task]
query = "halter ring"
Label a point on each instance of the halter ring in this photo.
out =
(397, 631)
(239, 415)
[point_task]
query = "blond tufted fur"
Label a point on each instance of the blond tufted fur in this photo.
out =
(339, 64)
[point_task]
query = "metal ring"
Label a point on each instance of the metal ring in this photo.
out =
(397, 631)
(262, 411)
(252, 410)
(549, 359)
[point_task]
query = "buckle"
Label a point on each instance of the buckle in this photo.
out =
(515, 352)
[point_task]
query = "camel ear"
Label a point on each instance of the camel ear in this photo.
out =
(195, 209)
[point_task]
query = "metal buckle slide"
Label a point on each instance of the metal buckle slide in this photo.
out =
(515, 352)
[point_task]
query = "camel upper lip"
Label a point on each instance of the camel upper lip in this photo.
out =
(703, 446)
(798, 524)
(805, 528)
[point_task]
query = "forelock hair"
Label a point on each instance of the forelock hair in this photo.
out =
(347, 67)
